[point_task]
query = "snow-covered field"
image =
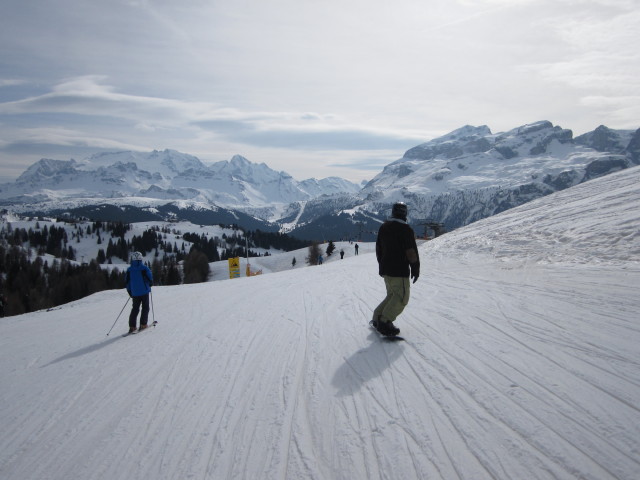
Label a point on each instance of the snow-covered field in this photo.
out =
(521, 361)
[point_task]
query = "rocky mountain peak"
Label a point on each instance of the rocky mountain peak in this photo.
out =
(47, 168)
(474, 158)
(467, 139)
(604, 139)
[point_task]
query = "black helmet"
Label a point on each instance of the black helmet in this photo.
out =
(399, 210)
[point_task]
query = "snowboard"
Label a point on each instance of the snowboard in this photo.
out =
(386, 338)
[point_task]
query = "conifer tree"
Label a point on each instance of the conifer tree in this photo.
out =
(314, 254)
(196, 267)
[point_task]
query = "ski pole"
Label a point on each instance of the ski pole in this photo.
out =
(153, 314)
(114, 323)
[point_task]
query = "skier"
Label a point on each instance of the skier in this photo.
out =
(357, 248)
(398, 260)
(138, 284)
(341, 253)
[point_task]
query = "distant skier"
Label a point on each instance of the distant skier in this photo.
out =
(320, 259)
(357, 248)
(398, 260)
(138, 284)
(341, 254)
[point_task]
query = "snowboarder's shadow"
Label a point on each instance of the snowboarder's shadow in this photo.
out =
(365, 364)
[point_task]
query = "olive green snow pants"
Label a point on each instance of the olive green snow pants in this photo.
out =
(397, 298)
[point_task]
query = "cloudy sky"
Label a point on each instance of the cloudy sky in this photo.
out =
(314, 88)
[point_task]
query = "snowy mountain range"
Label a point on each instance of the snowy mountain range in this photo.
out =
(472, 173)
(165, 175)
(466, 175)
(473, 158)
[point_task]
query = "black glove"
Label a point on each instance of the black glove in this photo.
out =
(415, 271)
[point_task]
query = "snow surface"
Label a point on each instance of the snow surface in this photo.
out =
(521, 361)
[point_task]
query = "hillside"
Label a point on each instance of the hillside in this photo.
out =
(521, 361)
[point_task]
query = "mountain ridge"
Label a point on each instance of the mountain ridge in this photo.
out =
(166, 175)
(463, 176)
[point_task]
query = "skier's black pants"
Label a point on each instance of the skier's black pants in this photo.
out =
(135, 308)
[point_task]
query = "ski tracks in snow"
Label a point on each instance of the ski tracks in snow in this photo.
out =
(535, 388)
(506, 372)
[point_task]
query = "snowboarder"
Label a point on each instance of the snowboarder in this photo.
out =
(398, 259)
(138, 284)
(341, 254)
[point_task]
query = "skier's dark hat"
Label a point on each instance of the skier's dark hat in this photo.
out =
(399, 210)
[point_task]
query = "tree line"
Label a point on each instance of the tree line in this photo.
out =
(34, 284)
(29, 283)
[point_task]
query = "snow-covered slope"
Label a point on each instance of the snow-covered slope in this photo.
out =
(521, 361)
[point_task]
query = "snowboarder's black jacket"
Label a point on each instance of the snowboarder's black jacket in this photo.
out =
(396, 249)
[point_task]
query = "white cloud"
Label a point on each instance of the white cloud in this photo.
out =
(291, 78)
(11, 82)
(53, 136)
(90, 96)
(603, 64)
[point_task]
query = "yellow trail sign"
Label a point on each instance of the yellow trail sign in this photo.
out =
(234, 267)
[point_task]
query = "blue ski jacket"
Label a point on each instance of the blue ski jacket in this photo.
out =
(139, 279)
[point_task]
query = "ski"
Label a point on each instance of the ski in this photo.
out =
(138, 331)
